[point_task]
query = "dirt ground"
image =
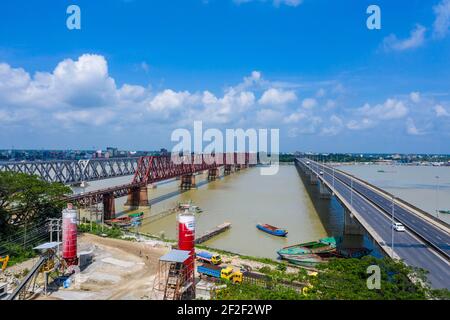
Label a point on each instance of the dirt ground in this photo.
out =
(120, 269)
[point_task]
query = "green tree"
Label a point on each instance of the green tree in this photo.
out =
(26, 199)
(347, 279)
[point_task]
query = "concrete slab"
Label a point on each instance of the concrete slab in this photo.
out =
(119, 263)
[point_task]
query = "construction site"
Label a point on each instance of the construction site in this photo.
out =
(84, 266)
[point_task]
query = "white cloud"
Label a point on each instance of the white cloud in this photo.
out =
(389, 110)
(415, 40)
(267, 116)
(169, 99)
(295, 117)
(441, 25)
(415, 97)
(411, 128)
(308, 127)
(275, 96)
(334, 127)
(309, 103)
(90, 117)
(330, 104)
(362, 124)
(132, 92)
(441, 111)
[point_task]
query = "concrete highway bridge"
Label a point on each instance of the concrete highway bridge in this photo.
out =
(369, 210)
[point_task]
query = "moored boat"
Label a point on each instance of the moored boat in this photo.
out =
(190, 207)
(306, 260)
(120, 222)
(353, 252)
(322, 246)
(275, 231)
(136, 215)
(444, 211)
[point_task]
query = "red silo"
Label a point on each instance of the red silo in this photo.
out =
(69, 235)
(186, 238)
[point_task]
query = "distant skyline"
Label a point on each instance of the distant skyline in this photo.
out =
(139, 69)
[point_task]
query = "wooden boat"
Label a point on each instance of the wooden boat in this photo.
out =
(120, 222)
(353, 252)
(272, 230)
(322, 246)
(306, 260)
(136, 215)
(190, 207)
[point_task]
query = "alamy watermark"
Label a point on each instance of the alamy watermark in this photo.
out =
(373, 22)
(221, 149)
(374, 280)
(73, 21)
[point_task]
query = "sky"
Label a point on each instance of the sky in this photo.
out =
(137, 70)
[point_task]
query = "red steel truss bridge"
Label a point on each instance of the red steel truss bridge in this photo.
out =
(152, 169)
(74, 171)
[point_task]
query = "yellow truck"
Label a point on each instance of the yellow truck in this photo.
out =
(4, 262)
(223, 272)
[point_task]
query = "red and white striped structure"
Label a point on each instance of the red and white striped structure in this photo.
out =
(69, 235)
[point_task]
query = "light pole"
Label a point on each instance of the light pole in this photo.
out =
(392, 225)
(437, 196)
(351, 191)
(333, 177)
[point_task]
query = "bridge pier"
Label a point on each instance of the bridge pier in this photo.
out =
(351, 225)
(227, 170)
(324, 192)
(313, 179)
(109, 208)
(137, 197)
(188, 182)
(213, 174)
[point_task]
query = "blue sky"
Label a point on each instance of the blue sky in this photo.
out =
(139, 69)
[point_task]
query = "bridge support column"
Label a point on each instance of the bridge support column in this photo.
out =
(109, 208)
(188, 182)
(227, 170)
(351, 225)
(324, 192)
(137, 197)
(213, 173)
(313, 180)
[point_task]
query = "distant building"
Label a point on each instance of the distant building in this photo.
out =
(113, 152)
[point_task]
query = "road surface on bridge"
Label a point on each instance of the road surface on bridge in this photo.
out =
(407, 245)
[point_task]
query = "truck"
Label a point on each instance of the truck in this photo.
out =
(209, 258)
(221, 272)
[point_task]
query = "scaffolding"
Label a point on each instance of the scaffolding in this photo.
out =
(175, 278)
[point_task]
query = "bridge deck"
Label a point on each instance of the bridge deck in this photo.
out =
(373, 212)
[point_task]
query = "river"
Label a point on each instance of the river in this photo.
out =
(417, 185)
(244, 198)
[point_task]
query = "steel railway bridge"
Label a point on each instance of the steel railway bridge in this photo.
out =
(73, 171)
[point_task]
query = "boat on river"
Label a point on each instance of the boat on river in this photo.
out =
(324, 245)
(275, 231)
(136, 215)
(120, 222)
(190, 207)
(444, 211)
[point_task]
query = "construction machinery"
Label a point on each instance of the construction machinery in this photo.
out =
(223, 272)
(44, 264)
(173, 283)
(4, 262)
